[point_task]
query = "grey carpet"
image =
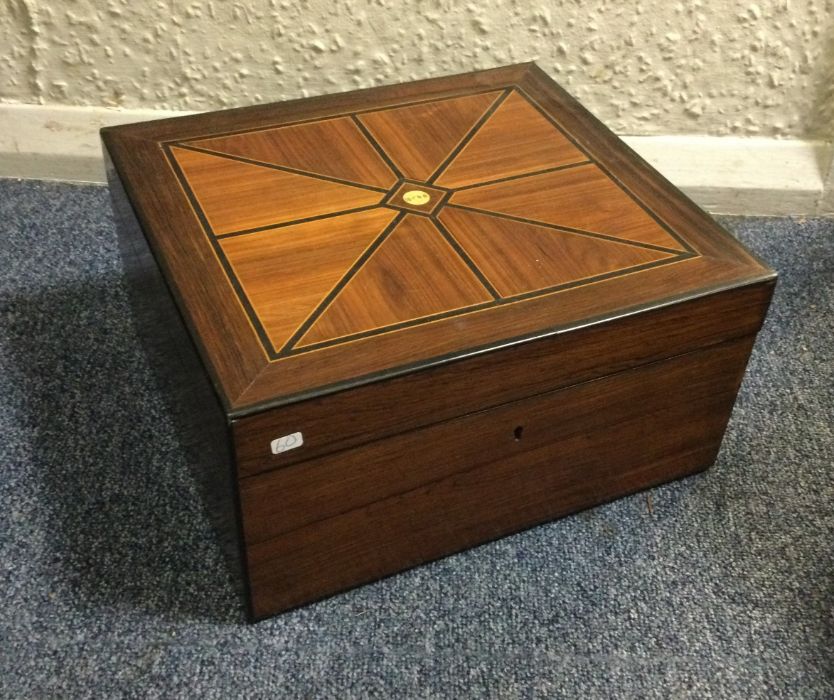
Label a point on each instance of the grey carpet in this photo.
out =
(113, 585)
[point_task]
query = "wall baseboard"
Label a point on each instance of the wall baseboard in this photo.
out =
(731, 175)
(724, 175)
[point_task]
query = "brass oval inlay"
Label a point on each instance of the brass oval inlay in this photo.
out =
(416, 197)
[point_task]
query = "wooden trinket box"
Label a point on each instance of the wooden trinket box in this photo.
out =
(411, 319)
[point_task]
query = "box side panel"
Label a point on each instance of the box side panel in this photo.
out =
(332, 523)
(385, 408)
(200, 420)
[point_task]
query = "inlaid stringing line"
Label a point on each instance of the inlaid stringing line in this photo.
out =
(504, 301)
(284, 168)
(567, 229)
(467, 137)
(463, 255)
(243, 300)
(335, 115)
(604, 169)
(289, 348)
(375, 144)
(347, 277)
(543, 171)
(296, 222)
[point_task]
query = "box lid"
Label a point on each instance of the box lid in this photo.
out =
(319, 243)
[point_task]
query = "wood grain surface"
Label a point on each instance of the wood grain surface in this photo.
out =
(286, 274)
(379, 410)
(581, 198)
(516, 139)
(418, 138)
(349, 156)
(482, 476)
(540, 214)
(416, 273)
(236, 196)
(480, 309)
(545, 257)
(192, 406)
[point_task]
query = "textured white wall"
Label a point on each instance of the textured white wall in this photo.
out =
(643, 66)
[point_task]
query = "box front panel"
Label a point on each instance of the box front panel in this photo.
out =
(381, 409)
(329, 524)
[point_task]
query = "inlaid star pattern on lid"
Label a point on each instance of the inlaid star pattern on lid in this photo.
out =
(371, 222)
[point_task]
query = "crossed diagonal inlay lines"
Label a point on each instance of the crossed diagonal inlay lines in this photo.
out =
(366, 223)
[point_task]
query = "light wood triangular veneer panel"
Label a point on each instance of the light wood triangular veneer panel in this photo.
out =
(333, 147)
(286, 273)
(515, 139)
(418, 138)
(414, 273)
(518, 258)
(582, 197)
(237, 196)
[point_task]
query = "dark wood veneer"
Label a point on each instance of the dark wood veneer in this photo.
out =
(200, 420)
(378, 409)
(375, 512)
(550, 325)
(252, 372)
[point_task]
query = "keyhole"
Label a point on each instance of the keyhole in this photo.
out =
(518, 432)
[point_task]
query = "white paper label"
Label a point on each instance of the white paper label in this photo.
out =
(286, 442)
